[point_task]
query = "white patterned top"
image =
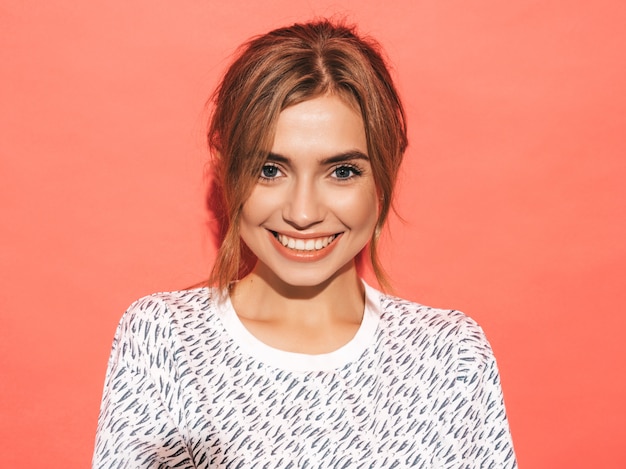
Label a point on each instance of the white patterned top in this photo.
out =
(188, 386)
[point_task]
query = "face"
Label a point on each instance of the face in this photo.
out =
(315, 205)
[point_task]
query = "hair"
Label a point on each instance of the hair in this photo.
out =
(280, 69)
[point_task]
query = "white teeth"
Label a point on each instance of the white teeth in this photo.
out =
(304, 244)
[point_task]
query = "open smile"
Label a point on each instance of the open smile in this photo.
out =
(304, 245)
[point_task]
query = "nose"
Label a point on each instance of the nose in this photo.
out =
(304, 206)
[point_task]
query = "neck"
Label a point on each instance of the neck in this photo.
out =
(261, 295)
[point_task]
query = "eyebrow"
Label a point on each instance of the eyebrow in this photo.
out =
(339, 158)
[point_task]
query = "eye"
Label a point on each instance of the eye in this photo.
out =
(269, 171)
(345, 171)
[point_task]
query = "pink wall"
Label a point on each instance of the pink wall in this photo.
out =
(512, 194)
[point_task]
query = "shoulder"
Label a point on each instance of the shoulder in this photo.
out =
(446, 338)
(405, 314)
(439, 333)
(160, 320)
(167, 308)
(157, 305)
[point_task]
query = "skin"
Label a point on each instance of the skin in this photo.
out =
(317, 186)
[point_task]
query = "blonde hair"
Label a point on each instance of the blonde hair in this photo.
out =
(277, 70)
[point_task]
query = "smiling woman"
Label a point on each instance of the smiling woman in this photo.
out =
(289, 358)
(277, 71)
(320, 191)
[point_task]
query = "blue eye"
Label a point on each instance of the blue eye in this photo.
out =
(269, 171)
(346, 172)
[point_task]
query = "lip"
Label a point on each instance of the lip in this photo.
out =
(304, 256)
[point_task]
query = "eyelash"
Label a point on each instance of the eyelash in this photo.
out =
(265, 178)
(354, 171)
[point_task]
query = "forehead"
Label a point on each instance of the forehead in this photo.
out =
(320, 126)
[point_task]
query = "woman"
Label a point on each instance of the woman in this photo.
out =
(290, 359)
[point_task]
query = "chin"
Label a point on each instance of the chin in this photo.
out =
(305, 281)
(304, 276)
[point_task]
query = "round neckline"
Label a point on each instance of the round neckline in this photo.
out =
(302, 362)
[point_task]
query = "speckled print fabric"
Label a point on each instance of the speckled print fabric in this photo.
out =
(188, 387)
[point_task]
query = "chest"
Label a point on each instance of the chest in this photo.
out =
(383, 409)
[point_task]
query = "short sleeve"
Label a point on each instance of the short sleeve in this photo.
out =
(137, 425)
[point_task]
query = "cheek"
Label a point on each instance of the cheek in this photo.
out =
(359, 210)
(256, 208)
